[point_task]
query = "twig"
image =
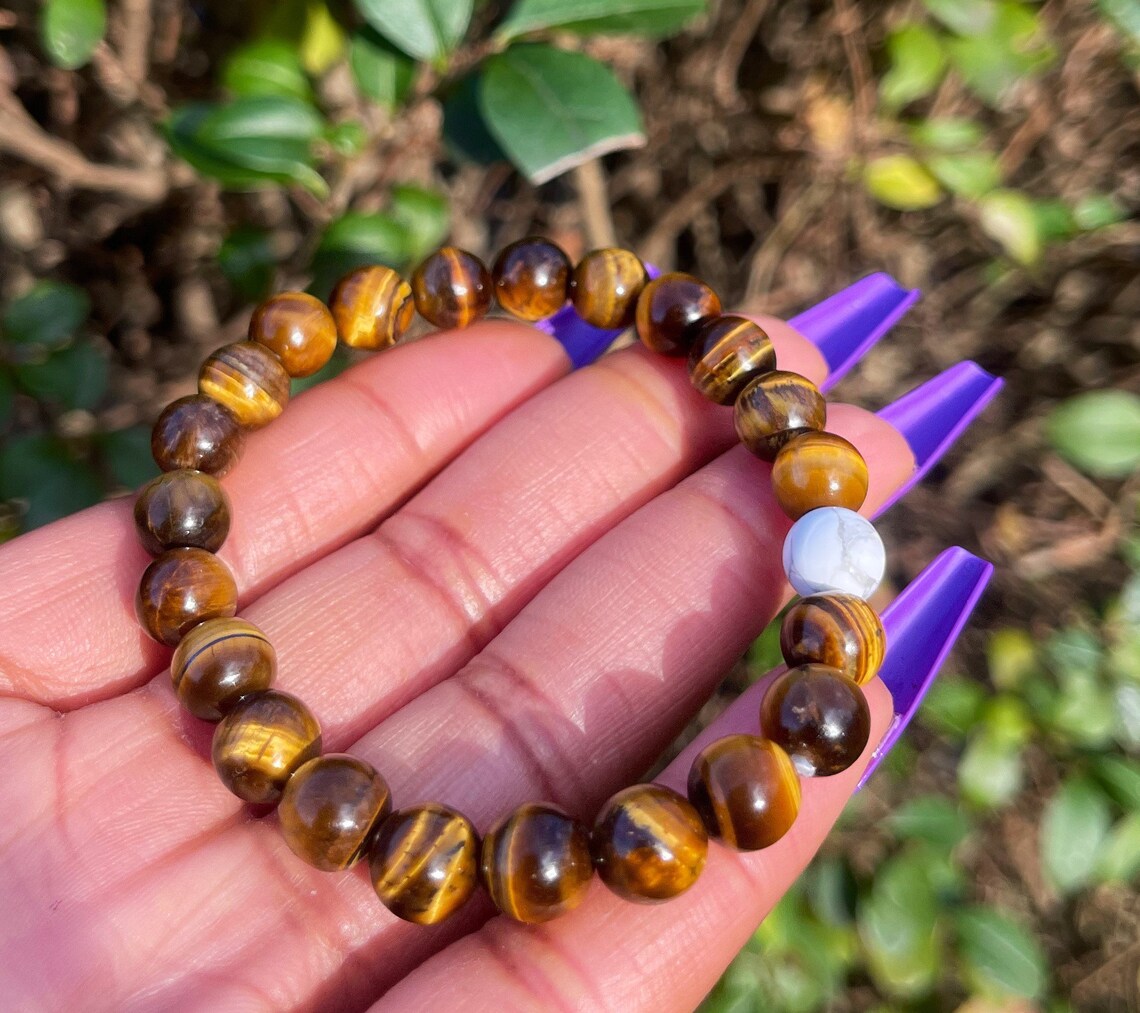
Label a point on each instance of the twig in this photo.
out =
(595, 203)
(862, 85)
(803, 208)
(134, 35)
(732, 52)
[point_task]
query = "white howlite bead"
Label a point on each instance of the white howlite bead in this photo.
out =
(834, 549)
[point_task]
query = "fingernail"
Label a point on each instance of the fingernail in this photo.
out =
(921, 625)
(931, 417)
(845, 326)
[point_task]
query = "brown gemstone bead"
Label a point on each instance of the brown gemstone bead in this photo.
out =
(330, 809)
(536, 863)
(775, 407)
(249, 380)
(182, 588)
(649, 843)
(746, 790)
(819, 470)
(668, 309)
(452, 288)
(834, 629)
(261, 742)
(727, 353)
(296, 327)
(531, 278)
(182, 508)
(425, 862)
(819, 717)
(605, 285)
(197, 433)
(218, 663)
(372, 306)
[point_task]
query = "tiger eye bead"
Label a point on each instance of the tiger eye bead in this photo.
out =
(838, 630)
(819, 470)
(728, 351)
(372, 306)
(531, 277)
(668, 310)
(249, 380)
(425, 862)
(605, 285)
(330, 809)
(536, 863)
(180, 589)
(298, 329)
(187, 509)
(649, 843)
(774, 408)
(746, 790)
(261, 742)
(197, 433)
(218, 663)
(452, 288)
(819, 717)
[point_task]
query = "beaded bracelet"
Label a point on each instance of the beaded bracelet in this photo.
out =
(649, 843)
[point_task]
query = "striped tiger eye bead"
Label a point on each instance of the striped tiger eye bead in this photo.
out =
(819, 717)
(249, 380)
(218, 663)
(605, 285)
(668, 310)
(838, 630)
(330, 809)
(531, 278)
(261, 742)
(425, 862)
(649, 843)
(536, 863)
(819, 470)
(746, 790)
(180, 589)
(372, 306)
(452, 288)
(198, 434)
(296, 327)
(182, 509)
(775, 407)
(729, 351)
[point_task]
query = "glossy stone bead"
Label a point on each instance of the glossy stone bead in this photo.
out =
(819, 470)
(182, 588)
(330, 809)
(372, 306)
(536, 863)
(834, 549)
(835, 629)
(197, 433)
(452, 288)
(728, 352)
(296, 327)
(261, 742)
(818, 716)
(605, 285)
(649, 843)
(218, 663)
(775, 407)
(182, 508)
(531, 278)
(746, 790)
(668, 310)
(249, 380)
(425, 862)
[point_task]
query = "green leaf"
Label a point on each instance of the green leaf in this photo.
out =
(425, 29)
(969, 174)
(954, 705)
(1000, 958)
(74, 377)
(1120, 857)
(1125, 15)
(1126, 699)
(425, 215)
(322, 39)
(966, 17)
(930, 818)
(42, 472)
(1054, 220)
(348, 138)
(464, 129)
(1007, 216)
(1006, 721)
(990, 772)
(650, 18)
(380, 70)
(126, 453)
(356, 239)
(1085, 713)
(1011, 657)
(1098, 431)
(899, 182)
(267, 67)
(71, 29)
(48, 315)
(1097, 210)
(917, 64)
(248, 261)
(1013, 48)
(1073, 830)
(7, 394)
(831, 890)
(552, 110)
(946, 134)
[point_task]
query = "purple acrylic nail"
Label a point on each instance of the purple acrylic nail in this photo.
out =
(922, 624)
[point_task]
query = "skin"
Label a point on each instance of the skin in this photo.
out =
(502, 583)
